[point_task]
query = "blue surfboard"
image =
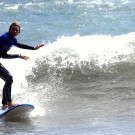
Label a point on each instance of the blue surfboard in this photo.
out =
(18, 112)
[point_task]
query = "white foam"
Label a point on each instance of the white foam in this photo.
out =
(38, 111)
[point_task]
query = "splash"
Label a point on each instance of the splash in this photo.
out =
(83, 56)
(100, 49)
(38, 111)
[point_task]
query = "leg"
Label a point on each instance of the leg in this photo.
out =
(6, 76)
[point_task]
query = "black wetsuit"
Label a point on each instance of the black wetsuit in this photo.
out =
(6, 42)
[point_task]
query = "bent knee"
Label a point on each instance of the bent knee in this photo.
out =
(9, 79)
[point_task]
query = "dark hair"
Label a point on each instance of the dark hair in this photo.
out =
(14, 24)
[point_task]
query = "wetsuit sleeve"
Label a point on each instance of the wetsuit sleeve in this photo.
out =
(9, 56)
(23, 46)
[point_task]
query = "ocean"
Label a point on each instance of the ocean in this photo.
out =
(82, 82)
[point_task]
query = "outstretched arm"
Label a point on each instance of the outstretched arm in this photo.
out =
(31, 48)
(23, 46)
(12, 56)
(9, 56)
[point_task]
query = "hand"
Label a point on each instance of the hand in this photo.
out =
(38, 46)
(24, 57)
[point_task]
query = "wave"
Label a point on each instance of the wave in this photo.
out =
(41, 5)
(70, 59)
(84, 57)
(75, 58)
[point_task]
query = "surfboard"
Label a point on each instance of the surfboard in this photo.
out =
(18, 112)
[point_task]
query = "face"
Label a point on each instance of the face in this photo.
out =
(14, 31)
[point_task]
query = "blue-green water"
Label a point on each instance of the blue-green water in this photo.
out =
(83, 80)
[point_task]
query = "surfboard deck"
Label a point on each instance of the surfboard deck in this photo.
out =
(18, 112)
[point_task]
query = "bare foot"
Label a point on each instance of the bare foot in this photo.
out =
(4, 107)
(11, 104)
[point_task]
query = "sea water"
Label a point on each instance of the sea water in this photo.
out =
(82, 82)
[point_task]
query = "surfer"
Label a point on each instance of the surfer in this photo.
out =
(7, 40)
